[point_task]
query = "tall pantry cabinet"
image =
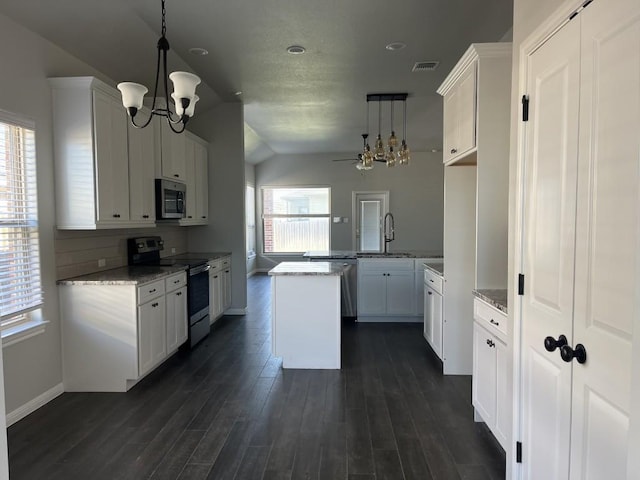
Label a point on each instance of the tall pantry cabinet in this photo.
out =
(579, 238)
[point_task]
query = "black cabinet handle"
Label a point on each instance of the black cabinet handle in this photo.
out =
(494, 322)
(178, 294)
(176, 281)
(429, 293)
(454, 150)
(204, 216)
(490, 343)
(145, 216)
(579, 353)
(176, 175)
(154, 305)
(550, 343)
(152, 290)
(189, 216)
(116, 215)
(431, 280)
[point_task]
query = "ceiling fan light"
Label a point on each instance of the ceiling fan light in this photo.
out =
(132, 94)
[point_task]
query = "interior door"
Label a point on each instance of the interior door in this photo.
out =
(548, 252)
(368, 208)
(607, 238)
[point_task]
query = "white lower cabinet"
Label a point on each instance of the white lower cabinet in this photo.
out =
(386, 287)
(152, 338)
(433, 319)
(177, 321)
(113, 335)
(219, 287)
(490, 384)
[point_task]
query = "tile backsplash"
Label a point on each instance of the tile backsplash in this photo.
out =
(78, 252)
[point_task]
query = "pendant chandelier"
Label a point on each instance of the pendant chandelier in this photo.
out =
(184, 91)
(388, 153)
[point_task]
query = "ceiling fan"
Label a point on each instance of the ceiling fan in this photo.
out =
(358, 158)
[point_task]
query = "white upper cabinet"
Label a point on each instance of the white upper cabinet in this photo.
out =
(141, 178)
(197, 180)
(469, 102)
(97, 186)
(172, 157)
(460, 116)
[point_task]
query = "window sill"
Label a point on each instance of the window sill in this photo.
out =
(21, 332)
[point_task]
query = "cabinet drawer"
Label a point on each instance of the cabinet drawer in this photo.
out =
(491, 318)
(434, 281)
(150, 290)
(175, 281)
(225, 262)
(215, 265)
(385, 264)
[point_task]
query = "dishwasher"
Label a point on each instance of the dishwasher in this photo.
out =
(348, 285)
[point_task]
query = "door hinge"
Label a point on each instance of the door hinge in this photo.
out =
(525, 108)
(518, 452)
(520, 284)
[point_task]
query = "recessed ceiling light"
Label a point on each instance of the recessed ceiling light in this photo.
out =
(296, 50)
(395, 46)
(198, 51)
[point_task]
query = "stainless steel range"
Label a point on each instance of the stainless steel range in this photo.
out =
(146, 251)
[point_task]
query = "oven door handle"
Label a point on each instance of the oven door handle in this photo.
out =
(199, 269)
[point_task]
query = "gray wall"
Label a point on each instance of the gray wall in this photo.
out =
(33, 366)
(415, 196)
(223, 127)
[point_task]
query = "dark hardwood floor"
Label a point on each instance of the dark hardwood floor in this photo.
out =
(227, 410)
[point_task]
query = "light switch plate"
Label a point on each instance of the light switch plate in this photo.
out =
(336, 219)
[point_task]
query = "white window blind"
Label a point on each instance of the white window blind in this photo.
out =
(20, 287)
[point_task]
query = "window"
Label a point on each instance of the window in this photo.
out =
(250, 209)
(20, 288)
(295, 219)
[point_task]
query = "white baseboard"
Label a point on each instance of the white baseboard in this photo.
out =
(236, 311)
(251, 273)
(34, 404)
(262, 270)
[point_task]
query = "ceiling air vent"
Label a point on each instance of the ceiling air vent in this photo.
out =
(425, 66)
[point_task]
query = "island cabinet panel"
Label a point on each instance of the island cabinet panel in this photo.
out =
(306, 321)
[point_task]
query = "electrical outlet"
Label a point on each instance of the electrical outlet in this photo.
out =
(173, 250)
(102, 262)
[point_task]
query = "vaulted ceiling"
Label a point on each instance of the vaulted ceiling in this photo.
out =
(310, 103)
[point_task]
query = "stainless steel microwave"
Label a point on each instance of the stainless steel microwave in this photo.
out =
(170, 199)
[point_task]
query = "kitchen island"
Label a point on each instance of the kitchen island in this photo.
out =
(305, 320)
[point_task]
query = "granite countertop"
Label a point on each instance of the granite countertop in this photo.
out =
(339, 254)
(495, 297)
(435, 267)
(307, 268)
(130, 275)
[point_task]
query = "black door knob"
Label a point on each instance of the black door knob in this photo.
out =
(551, 343)
(579, 353)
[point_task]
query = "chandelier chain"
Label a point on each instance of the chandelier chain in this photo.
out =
(164, 22)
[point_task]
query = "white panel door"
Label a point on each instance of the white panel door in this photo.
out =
(548, 252)
(370, 227)
(607, 279)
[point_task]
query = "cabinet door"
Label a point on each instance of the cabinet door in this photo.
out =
(176, 319)
(466, 88)
(173, 153)
(141, 174)
(503, 396)
(400, 293)
(226, 288)
(438, 327)
(152, 346)
(372, 298)
(418, 287)
(112, 162)
(215, 297)
(427, 330)
(201, 165)
(190, 180)
(484, 375)
(450, 136)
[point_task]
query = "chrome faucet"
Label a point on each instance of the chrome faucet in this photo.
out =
(389, 230)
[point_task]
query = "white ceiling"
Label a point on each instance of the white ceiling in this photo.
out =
(311, 103)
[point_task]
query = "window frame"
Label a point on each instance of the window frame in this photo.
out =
(291, 216)
(27, 322)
